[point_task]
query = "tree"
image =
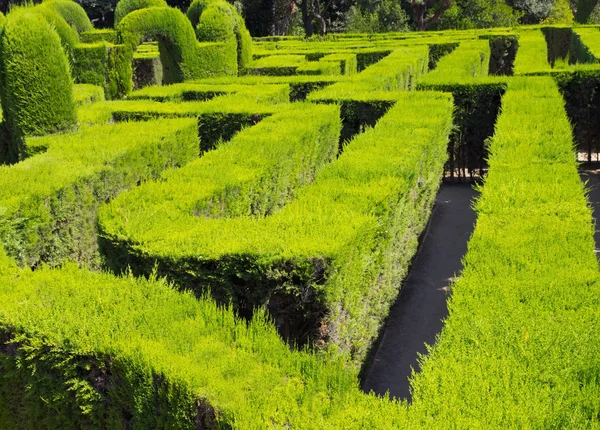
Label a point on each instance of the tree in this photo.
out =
(313, 10)
(466, 14)
(561, 13)
(427, 12)
(534, 11)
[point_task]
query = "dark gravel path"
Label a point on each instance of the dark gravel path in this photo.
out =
(591, 175)
(416, 317)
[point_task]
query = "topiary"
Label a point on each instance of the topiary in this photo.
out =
(175, 36)
(72, 13)
(68, 35)
(36, 86)
(216, 25)
(125, 7)
(206, 27)
(195, 10)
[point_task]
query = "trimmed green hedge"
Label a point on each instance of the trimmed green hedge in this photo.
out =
(124, 352)
(215, 25)
(104, 35)
(182, 57)
(105, 65)
(207, 16)
(125, 7)
(72, 13)
(532, 57)
(36, 87)
(523, 327)
(469, 60)
(332, 269)
(50, 217)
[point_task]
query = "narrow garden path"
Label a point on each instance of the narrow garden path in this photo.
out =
(591, 175)
(416, 317)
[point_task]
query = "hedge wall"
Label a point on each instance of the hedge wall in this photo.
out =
(36, 90)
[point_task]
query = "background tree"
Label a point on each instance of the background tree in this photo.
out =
(427, 12)
(377, 17)
(561, 13)
(467, 14)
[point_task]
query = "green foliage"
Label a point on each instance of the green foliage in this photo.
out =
(181, 56)
(561, 13)
(68, 35)
(469, 60)
(465, 14)
(87, 94)
(125, 7)
(213, 21)
(50, 218)
(122, 351)
(105, 65)
(524, 291)
(594, 17)
(215, 25)
(72, 13)
(585, 11)
(36, 90)
(532, 56)
(348, 62)
(195, 10)
(94, 36)
(316, 262)
(385, 16)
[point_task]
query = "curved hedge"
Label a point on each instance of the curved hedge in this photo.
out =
(68, 35)
(125, 7)
(209, 16)
(72, 13)
(36, 88)
(195, 10)
(181, 55)
(215, 25)
(176, 39)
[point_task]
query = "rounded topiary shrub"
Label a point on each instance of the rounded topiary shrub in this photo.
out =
(216, 25)
(36, 85)
(72, 13)
(208, 17)
(195, 10)
(68, 35)
(125, 7)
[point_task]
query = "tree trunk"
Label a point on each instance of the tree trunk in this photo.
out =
(307, 17)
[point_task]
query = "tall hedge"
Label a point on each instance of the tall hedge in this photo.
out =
(72, 13)
(124, 7)
(215, 25)
(36, 86)
(181, 55)
(208, 15)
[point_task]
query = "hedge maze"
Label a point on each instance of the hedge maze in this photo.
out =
(203, 231)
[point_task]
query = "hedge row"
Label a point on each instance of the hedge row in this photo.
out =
(469, 60)
(519, 348)
(50, 217)
(397, 71)
(104, 64)
(272, 94)
(88, 350)
(532, 57)
(342, 246)
(36, 89)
